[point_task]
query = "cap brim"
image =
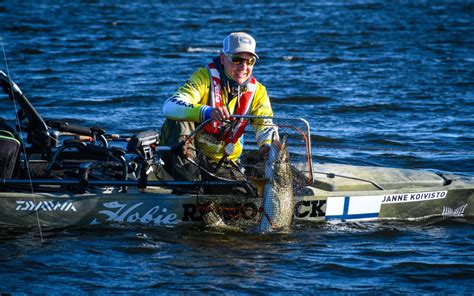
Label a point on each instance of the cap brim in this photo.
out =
(252, 53)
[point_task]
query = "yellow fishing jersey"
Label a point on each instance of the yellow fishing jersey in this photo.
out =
(192, 102)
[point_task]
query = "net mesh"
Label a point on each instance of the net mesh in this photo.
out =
(218, 152)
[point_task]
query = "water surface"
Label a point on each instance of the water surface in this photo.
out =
(381, 83)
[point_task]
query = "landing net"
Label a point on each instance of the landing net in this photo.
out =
(203, 147)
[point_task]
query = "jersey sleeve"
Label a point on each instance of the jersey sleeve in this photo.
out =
(261, 107)
(189, 101)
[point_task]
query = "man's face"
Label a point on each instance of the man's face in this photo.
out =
(238, 66)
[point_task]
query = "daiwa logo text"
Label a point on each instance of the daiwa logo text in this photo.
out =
(50, 206)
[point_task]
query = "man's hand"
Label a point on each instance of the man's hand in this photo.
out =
(220, 114)
(263, 151)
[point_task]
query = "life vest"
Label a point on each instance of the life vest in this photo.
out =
(232, 134)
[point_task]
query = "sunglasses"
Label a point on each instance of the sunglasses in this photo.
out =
(236, 60)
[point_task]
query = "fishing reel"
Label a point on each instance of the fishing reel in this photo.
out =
(143, 145)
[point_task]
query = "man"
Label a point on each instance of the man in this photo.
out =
(224, 88)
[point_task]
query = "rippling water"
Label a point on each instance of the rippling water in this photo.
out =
(388, 84)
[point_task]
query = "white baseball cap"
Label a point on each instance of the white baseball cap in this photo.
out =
(239, 42)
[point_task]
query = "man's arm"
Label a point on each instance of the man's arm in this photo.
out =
(261, 107)
(189, 101)
(263, 128)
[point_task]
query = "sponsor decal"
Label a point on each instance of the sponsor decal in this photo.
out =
(178, 101)
(249, 211)
(133, 213)
(217, 90)
(458, 212)
(229, 211)
(309, 209)
(346, 208)
(368, 207)
(44, 205)
(411, 197)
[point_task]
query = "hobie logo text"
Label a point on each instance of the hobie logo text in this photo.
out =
(134, 213)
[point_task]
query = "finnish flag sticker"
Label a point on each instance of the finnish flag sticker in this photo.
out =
(345, 208)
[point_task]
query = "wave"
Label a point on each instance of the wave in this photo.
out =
(371, 108)
(301, 99)
(33, 51)
(437, 268)
(365, 6)
(45, 71)
(171, 55)
(386, 253)
(289, 58)
(385, 142)
(134, 100)
(322, 139)
(330, 60)
(339, 268)
(202, 49)
(364, 45)
(29, 29)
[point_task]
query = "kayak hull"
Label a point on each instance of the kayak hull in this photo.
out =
(450, 197)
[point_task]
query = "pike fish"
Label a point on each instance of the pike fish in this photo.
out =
(277, 213)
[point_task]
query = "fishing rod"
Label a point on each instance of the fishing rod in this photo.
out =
(14, 92)
(131, 183)
(84, 183)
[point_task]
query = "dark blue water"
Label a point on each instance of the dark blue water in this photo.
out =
(381, 83)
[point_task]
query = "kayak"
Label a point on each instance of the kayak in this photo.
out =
(340, 193)
(84, 180)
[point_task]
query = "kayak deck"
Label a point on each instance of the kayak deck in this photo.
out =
(341, 177)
